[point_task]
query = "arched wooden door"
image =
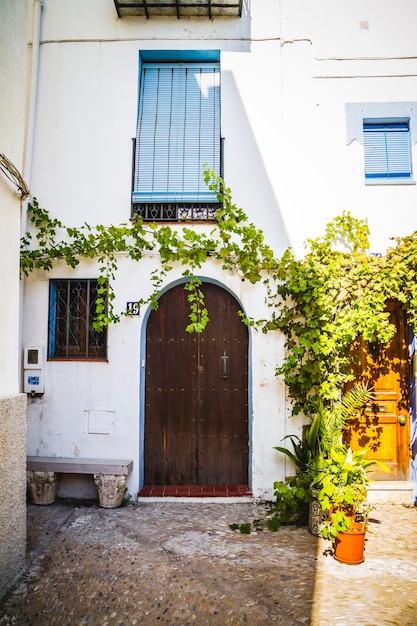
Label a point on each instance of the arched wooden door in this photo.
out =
(196, 397)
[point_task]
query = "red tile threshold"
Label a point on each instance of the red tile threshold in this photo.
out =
(193, 491)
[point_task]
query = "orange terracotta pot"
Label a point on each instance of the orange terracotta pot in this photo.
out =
(349, 546)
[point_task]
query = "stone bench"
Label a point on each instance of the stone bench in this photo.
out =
(109, 477)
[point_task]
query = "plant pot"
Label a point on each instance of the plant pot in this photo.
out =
(349, 546)
(316, 515)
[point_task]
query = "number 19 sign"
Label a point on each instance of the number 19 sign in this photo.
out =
(132, 308)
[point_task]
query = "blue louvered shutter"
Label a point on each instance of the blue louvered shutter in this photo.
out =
(387, 150)
(178, 132)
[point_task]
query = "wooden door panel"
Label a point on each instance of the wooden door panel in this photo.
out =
(196, 409)
(223, 415)
(386, 369)
(169, 401)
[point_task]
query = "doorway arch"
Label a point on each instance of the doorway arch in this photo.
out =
(196, 427)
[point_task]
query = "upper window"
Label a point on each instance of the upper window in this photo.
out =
(387, 150)
(178, 135)
(387, 130)
(72, 305)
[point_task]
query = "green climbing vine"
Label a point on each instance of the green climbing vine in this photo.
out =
(328, 298)
(232, 241)
(335, 294)
(321, 303)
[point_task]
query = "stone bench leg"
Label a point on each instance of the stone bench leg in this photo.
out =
(42, 486)
(111, 489)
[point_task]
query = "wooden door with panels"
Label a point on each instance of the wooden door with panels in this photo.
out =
(196, 393)
(384, 429)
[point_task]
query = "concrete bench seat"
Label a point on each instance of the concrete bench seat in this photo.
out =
(109, 476)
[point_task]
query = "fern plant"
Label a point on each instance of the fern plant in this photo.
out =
(334, 419)
(341, 475)
(322, 462)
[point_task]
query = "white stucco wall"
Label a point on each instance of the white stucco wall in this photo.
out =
(332, 55)
(57, 421)
(288, 69)
(13, 77)
(13, 89)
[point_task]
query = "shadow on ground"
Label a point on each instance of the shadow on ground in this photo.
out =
(179, 563)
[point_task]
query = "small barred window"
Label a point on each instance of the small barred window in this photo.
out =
(72, 305)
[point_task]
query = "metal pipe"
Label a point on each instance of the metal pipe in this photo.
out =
(33, 90)
(28, 141)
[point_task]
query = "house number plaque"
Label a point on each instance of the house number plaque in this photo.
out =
(132, 308)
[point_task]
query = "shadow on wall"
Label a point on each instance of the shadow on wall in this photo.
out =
(245, 21)
(254, 192)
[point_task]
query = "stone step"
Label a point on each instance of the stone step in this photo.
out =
(390, 491)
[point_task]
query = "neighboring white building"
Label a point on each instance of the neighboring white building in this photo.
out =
(14, 64)
(295, 87)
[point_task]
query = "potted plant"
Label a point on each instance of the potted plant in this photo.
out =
(297, 495)
(331, 480)
(337, 477)
(342, 481)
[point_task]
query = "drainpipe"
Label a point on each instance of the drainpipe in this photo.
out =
(33, 92)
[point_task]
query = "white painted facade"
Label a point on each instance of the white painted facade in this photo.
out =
(288, 70)
(14, 64)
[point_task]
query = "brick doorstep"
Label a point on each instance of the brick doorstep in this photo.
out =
(192, 491)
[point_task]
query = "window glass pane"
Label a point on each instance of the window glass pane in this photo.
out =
(178, 132)
(71, 312)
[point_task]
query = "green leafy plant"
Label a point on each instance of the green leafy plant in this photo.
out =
(338, 475)
(290, 507)
(342, 481)
(231, 240)
(305, 448)
(292, 498)
(334, 418)
(325, 466)
(329, 297)
(245, 528)
(321, 302)
(128, 499)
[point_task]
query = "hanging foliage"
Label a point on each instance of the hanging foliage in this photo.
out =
(321, 303)
(232, 240)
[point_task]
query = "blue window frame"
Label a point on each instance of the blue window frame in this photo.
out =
(178, 134)
(72, 305)
(387, 150)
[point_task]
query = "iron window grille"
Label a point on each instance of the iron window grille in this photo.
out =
(72, 305)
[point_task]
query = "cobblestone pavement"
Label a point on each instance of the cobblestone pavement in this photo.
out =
(178, 563)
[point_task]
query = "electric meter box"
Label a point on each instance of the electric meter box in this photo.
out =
(33, 381)
(33, 358)
(33, 369)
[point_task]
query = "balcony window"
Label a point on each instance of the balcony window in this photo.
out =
(178, 135)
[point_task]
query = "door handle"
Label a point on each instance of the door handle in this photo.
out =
(224, 358)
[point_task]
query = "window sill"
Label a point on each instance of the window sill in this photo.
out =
(389, 181)
(64, 359)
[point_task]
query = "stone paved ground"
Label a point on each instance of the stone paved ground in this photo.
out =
(179, 564)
